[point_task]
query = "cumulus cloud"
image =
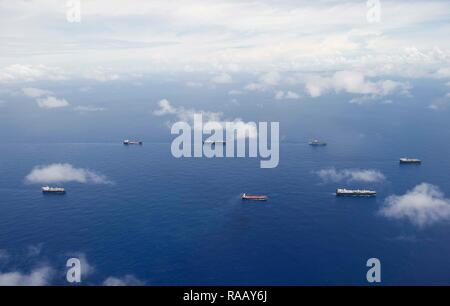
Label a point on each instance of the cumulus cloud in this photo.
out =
(223, 78)
(30, 73)
(235, 92)
(255, 87)
(165, 108)
(212, 34)
(52, 102)
(288, 95)
(127, 280)
(36, 92)
(443, 72)
(422, 206)
(265, 82)
(243, 129)
(271, 78)
(101, 74)
(35, 249)
(353, 82)
(184, 114)
(38, 277)
(351, 175)
(44, 275)
(62, 173)
(87, 268)
(44, 98)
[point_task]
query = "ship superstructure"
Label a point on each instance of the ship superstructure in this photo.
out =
(247, 196)
(131, 142)
(355, 192)
(407, 160)
(47, 189)
(317, 143)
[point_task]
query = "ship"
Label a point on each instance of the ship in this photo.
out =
(317, 143)
(131, 142)
(47, 189)
(214, 142)
(355, 192)
(406, 160)
(247, 196)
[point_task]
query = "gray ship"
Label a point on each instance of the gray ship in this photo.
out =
(355, 192)
(317, 143)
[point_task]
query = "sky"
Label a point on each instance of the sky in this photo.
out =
(283, 51)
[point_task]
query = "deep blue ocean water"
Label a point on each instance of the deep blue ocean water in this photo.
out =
(181, 221)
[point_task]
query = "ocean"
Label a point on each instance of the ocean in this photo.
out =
(169, 221)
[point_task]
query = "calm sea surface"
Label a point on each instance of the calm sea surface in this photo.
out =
(181, 221)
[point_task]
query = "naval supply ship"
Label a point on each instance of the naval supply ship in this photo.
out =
(48, 189)
(247, 196)
(214, 142)
(406, 160)
(131, 142)
(317, 143)
(355, 192)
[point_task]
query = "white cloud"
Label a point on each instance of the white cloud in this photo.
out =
(44, 98)
(86, 268)
(30, 73)
(354, 82)
(235, 92)
(165, 108)
(127, 280)
(62, 173)
(289, 95)
(35, 250)
(255, 87)
(244, 129)
(36, 92)
(443, 72)
(37, 277)
(271, 78)
(223, 78)
(89, 108)
(101, 74)
(52, 102)
(227, 35)
(422, 206)
(351, 175)
(184, 114)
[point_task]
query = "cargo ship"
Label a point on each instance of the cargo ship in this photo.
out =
(317, 143)
(48, 189)
(212, 142)
(406, 160)
(355, 192)
(247, 196)
(131, 142)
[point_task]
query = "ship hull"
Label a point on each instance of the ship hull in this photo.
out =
(253, 197)
(356, 194)
(53, 192)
